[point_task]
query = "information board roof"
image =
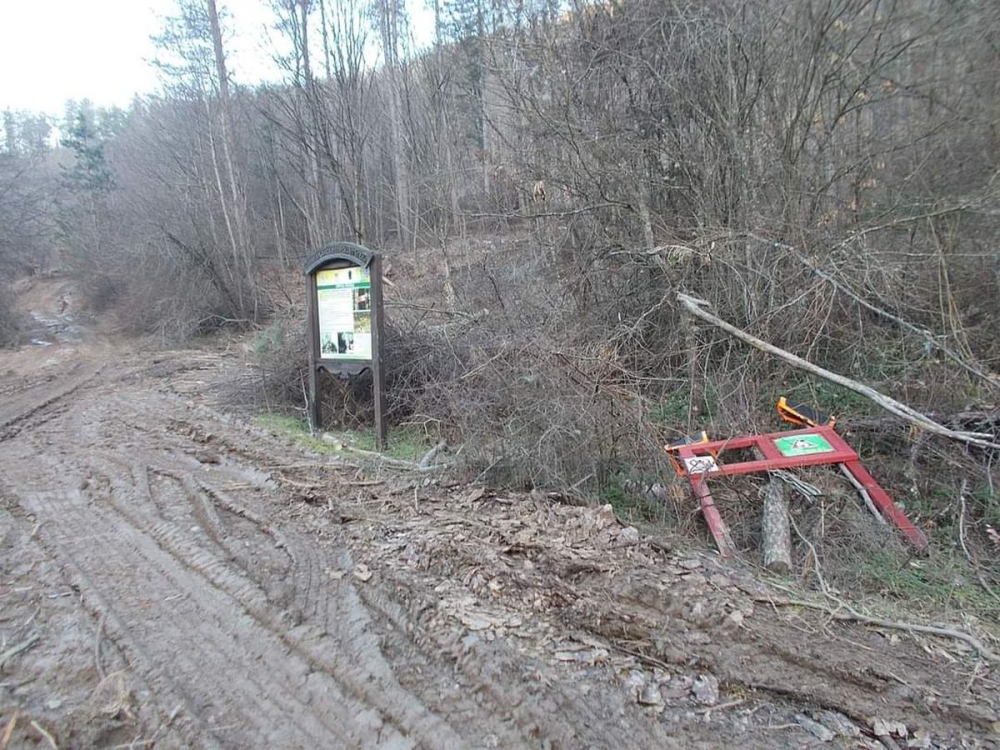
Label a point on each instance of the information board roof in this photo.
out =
(338, 251)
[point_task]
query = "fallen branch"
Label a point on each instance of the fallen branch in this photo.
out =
(721, 706)
(333, 464)
(851, 616)
(137, 742)
(97, 645)
(301, 485)
(8, 731)
(864, 494)
(644, 658)
(696, 307)
(393, 463)
(10, 653)
(964, 420)
(431, 454)
(51, 740)
(404, 466)
(925, 334)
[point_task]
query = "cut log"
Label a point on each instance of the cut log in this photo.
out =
(777, 534)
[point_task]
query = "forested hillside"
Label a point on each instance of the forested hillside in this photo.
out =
(604, 227)
(544, 178)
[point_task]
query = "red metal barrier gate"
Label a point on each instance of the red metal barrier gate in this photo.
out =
(782, 450)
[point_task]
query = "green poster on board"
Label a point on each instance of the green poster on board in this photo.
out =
(802, 445)
(344, 312)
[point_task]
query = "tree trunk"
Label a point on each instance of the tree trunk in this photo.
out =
(696, 394)
(319, 228)
(400, 178)
(240, 248)
(777, 535)
(326, 40)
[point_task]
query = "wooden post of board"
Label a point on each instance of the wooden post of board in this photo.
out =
(378, 351)
(776, 532)
(314, 409)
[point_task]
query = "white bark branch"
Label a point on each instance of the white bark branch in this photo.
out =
(697, 307)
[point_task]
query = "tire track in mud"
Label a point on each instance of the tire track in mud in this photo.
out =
(316, 616)
(322, 627)
(371, 696)
(28, 406)
(12, 387)
(347, 618)
(239, 681)
(276, 610)
(372, 646)
(341, 629)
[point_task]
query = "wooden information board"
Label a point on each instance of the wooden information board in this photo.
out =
(346, 322)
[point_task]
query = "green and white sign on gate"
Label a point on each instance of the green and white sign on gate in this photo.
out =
(802, 445)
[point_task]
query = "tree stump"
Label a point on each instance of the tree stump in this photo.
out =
(777, 534)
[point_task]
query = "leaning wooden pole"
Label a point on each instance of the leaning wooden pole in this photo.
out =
(697, 307)
(777, 532)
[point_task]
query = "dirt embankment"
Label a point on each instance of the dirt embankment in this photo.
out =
(172, 577)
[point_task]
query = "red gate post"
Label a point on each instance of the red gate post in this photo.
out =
(720, 532)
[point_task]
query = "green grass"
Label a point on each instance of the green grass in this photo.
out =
(824, 396)
(621, 487)
(942, 580)
(673, 410)
(403, 443)
(983, 499)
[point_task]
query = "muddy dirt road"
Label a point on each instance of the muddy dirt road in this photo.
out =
(172, 577)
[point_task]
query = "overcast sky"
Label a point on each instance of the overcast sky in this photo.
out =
(57, 50)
